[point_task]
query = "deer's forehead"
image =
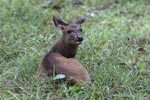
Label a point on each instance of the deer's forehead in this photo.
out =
(73, 26)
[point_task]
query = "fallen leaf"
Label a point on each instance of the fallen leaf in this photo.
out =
(59, 76)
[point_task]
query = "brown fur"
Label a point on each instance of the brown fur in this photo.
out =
(61, 57)
(66, 50)
(69, 67)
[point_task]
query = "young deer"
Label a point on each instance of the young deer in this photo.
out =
(61, 56)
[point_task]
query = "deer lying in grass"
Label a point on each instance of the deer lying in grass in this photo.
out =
(61, 57)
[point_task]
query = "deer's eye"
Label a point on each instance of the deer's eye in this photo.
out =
(80, 30)
(69, 31)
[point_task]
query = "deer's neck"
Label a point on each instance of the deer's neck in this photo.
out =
(64, 48)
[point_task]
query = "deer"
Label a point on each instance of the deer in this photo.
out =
(62, 55)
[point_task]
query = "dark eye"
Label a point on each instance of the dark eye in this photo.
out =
(80, 30)
(69, 31)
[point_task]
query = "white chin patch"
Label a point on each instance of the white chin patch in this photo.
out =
(78, 42)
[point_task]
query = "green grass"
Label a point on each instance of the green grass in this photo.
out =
(115, 51)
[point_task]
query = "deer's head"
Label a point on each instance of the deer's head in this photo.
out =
(71, 31)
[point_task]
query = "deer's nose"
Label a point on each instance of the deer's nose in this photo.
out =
(80, 39)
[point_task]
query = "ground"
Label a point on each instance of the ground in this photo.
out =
(115, 50)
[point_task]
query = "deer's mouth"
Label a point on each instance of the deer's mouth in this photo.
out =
(78, 42)
(75, 41)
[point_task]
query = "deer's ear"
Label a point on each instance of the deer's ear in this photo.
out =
(81, 20)
(58, 22)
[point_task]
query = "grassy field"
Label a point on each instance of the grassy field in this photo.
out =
(115, 51)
